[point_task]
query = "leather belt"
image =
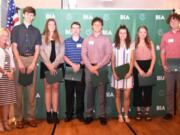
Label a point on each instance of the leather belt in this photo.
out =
(93, 64)
(26, 55)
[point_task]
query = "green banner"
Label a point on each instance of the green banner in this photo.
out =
(153, 19)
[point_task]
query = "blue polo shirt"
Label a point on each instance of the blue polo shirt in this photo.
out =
(73, 49)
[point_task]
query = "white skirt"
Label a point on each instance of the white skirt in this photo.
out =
(122, 84)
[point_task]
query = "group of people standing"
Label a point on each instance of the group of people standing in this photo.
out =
(91, 56)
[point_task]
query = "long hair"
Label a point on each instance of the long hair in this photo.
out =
(117, 38)
(55, 35)
(147, 40)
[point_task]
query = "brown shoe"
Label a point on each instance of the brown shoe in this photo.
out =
(20, 124)
(32, 123)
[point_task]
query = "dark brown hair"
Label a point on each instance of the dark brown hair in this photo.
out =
(173, 16)
(76, 23)
(55, 36)
(147, 40)
(97, 19)
(29, 9)
(117, 39)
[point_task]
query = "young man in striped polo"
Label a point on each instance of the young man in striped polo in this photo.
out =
(73, 59)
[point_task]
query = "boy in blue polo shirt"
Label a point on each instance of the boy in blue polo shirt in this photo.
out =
(73, 59)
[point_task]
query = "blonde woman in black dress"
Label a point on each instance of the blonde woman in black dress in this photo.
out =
(7, 84)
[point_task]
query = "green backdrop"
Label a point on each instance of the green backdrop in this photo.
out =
(153, 19)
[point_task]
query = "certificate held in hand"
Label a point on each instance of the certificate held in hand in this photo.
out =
(147, 81)
(25, 79)
(122, 70)
(174, 64)
(72, 76)
(102, 78)
(54, 78)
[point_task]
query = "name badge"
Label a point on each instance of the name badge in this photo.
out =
(91, 42)
(78, 45)
(171, 40)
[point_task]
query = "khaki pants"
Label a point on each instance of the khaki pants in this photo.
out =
(31, 89)
(90, 95)
(171, 78)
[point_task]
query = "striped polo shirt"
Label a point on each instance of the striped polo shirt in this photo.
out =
(73, 49)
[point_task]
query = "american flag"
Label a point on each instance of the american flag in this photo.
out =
(12, 15)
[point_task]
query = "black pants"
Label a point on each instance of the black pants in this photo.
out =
(72, 88)
(142, 96)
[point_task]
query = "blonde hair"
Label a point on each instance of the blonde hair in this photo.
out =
(2, 30)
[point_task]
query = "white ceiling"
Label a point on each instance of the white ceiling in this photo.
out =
(115, 4)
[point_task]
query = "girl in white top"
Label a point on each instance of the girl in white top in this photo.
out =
(123, 53)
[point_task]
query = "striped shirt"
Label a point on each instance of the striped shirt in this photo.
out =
(7, 87)
(73, 49)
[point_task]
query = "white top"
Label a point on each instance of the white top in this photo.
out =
(2, 58)
(122, 56)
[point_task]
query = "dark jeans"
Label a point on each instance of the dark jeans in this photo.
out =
(75, 88)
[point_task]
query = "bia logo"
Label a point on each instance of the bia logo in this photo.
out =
(160, 77)
(67, 32)
(124, 17)
(87, 17)
(50, 15)
(107, 32)
(159, 17)
(109, 94)
(160, 108)
(38, 95)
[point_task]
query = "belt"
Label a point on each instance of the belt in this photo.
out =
(81, 66)
(93, 64)
(26, 55)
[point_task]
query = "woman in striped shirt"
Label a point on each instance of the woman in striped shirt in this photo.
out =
(123, 53)
(7, 83)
